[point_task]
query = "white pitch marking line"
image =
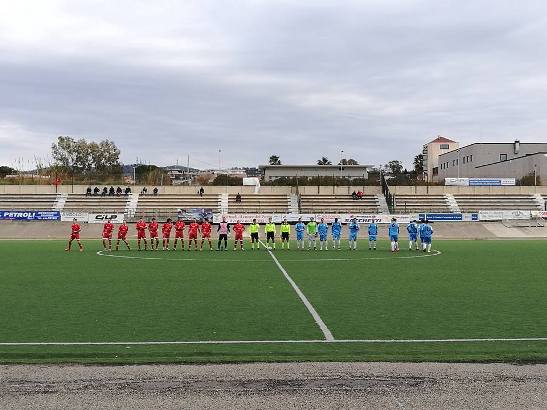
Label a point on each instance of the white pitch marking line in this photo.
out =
(239, 342)
(326, 332)
(112, 255)
(101, 253)
(435, 253)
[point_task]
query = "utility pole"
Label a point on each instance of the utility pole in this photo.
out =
(188, 169)
(341, 153)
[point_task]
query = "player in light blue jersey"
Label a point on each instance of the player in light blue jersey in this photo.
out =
(336, 234)
(353, 229)
(323, 231)
(300, 228)
(394, 235)
(372, 235)
(421, 227)
(412, 229)
(427, 235)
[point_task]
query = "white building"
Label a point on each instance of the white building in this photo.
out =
(271, 172)
(431, 152)
(494, 160)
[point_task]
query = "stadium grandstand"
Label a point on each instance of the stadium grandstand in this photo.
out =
(420, 203)
(259, 203)
(475, 203)
(169, 204)
(338, 203)
(27, 201)
(83, 203)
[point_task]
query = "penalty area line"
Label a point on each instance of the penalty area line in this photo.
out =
(242, 342)
(326, 332)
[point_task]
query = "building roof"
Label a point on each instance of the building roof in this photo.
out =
(441, 139)
(514, 159)
(522, 144)
(314, 166)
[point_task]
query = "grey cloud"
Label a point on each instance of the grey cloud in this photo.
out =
(300, 79)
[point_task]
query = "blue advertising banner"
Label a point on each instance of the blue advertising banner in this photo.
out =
(492, 181)
(441, 217)
(480, 181)
(30, 215)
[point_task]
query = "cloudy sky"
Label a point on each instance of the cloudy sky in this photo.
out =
(301, 79)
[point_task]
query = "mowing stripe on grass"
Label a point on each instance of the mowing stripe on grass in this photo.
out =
(326, 332)
(238, 342)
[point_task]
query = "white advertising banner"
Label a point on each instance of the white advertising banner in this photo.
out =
(102, 218)
(243, 218)
(508, 182)
(456, 181)
(329, 218)
(69, 216)
(501, 215)
(379, 219)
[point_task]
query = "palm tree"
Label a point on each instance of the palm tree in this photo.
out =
(324, 161)
(274, 160)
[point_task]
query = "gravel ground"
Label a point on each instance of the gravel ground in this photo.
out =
(274, 386)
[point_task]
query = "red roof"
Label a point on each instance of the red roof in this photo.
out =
(442, 140)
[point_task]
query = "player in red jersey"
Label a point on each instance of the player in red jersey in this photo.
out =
(179, 234)
(238, 230)
(166, 233)
(122, 235)
(193, 230)
(141, 234)
(75, 235)
(206, 234)
(153, 229)
(108, 227)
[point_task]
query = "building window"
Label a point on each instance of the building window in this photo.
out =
(503, 157)
(445, 146)
(470, 158)
(435, 171)
(464, 160)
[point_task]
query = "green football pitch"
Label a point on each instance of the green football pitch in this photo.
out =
(466, 301)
